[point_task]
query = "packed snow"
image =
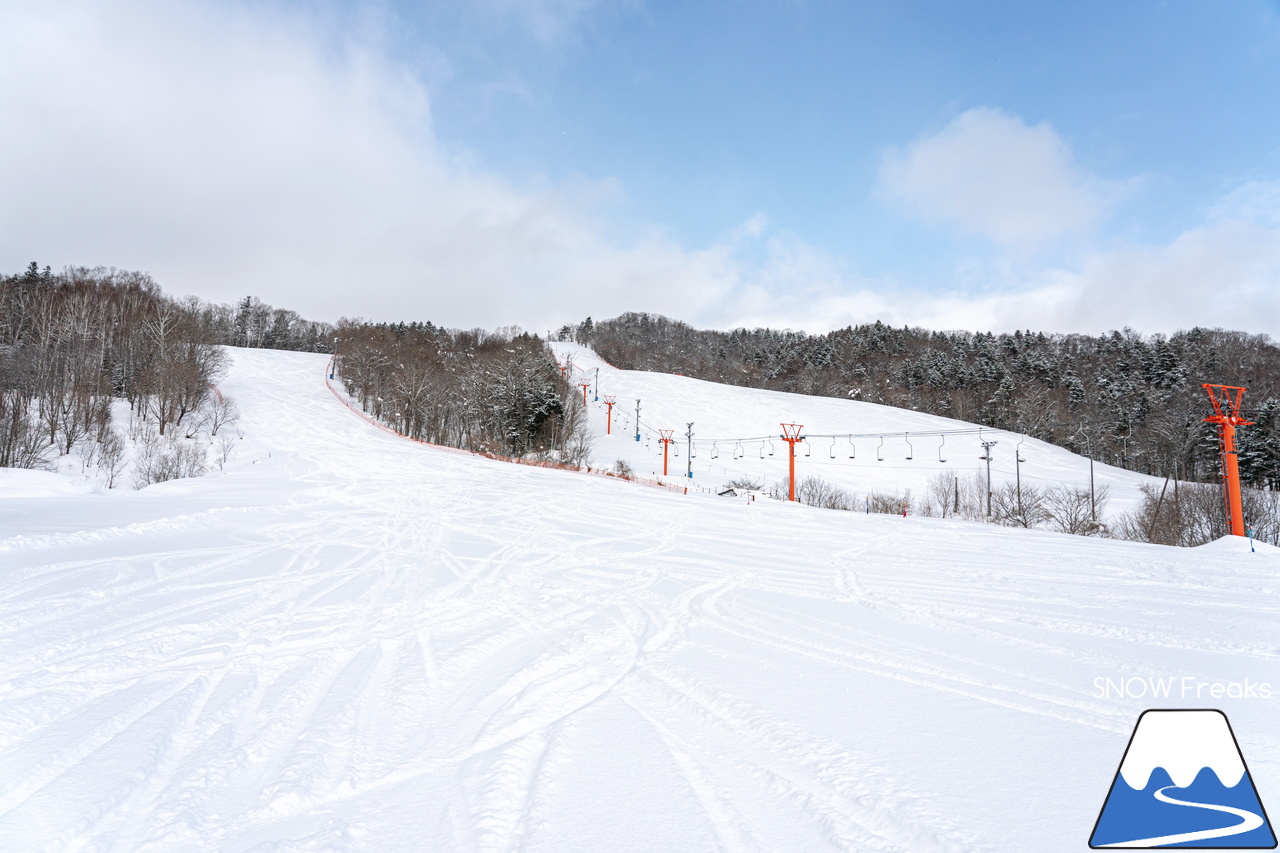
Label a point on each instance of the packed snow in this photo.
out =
(350, 641)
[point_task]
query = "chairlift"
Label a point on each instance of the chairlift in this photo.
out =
(853, 449)
(880, 450)
(832, 451)
(739, 451)
(1017, 451)
(715, 451)
(770, 447)
(808, 451)
(693, 451)
(762, 450)
(911, 451)
(941, 445)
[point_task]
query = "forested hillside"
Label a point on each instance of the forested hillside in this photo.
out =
(73, 342)
(1123, 398)
(496, 392)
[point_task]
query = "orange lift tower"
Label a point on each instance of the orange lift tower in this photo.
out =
(609, 400)
(666, 439)
(791, 434)
(584, 386)
(1226, 414)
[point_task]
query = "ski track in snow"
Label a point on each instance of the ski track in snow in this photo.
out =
(354, 642)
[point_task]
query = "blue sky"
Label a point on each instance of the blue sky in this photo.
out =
(1073, 167)
(709, 112)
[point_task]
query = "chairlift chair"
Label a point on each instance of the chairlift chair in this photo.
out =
(880, 450)
(808, 451)
(715, 451)
(1017, 451)
(853, 449)
(911, 451)
(832, 451)
(739, 451)
(943, 443)
(771, 447)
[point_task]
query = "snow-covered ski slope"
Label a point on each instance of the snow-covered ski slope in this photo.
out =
(874, 460)
(354, 642)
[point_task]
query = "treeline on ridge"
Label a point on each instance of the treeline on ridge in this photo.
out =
(1123, 398)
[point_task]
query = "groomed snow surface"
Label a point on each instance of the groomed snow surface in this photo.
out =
(350, 641)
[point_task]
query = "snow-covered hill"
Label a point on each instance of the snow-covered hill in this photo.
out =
(868, 453)
(354, 642)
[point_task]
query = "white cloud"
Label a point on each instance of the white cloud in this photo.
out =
(1220, 274)
(1253, 201)
(989, 173)
(547, 20)
(231, 152)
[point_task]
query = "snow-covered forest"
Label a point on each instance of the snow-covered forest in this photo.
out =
(496, 392)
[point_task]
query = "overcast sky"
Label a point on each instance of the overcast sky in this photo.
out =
(795, 163)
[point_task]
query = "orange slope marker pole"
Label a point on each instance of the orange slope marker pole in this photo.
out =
(1226, 401)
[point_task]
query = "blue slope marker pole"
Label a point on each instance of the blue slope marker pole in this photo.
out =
(1251, 540)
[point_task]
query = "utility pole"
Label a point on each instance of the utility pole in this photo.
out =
(986, 454)
(1093, 501)
(688, 438)
(1017, 467)
(637, 420)
(1088, 448)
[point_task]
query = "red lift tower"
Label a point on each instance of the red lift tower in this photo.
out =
(791, 434)
(1226, 414)
(666, 439)
(584, 386)
(609, 400)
